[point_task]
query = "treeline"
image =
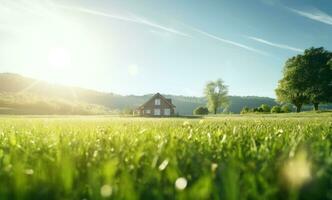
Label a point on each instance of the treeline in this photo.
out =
(32, 96)
(264, 108)
(118, 104)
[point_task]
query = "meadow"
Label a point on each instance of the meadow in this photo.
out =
(285, 156)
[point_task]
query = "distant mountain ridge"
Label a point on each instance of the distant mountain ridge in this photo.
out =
(14, 85)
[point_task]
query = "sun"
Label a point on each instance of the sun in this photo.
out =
(59, 58)
(60, 66)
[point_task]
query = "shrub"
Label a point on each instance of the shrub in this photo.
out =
(127, 111)
(276, 109)
(201, 111)
(245, 110)
(286, 109)
(265, 108)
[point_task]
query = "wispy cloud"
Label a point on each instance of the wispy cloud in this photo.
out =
(137, 20)
(233, 43)
(281, 46)
(314, 14)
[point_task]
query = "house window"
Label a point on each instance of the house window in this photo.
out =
(167, 111)
(157, 102)
(156, 111)
(147, 111)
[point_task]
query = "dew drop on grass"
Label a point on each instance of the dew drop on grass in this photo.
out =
(214, 167)
(95, 154)
(106, 191)
(186, 123)
(142, 131)
(223, 138)
(28, 171)
(234, 130)
(181, 183)
(297, 170)
(163, 165)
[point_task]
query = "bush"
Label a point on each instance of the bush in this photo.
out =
(245, 110)
(201, 111)
(258, 109)
(265, 108)
(276, 109)
(286, 109)
(127, 111)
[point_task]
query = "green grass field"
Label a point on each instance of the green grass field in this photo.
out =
(286, 156)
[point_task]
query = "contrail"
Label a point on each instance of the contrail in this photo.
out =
(230, 42)
(281, 46)
(315, 14)
(136, 20)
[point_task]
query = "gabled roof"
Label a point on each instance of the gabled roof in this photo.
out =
(161, 97)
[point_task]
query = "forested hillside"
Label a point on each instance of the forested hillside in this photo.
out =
(24, 95)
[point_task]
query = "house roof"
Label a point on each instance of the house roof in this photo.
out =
(168, 101)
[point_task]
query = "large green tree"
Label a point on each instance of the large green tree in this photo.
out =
(317, 64)
(216, 93)
(306, 78)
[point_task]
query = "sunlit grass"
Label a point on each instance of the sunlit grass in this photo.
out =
(134, 158)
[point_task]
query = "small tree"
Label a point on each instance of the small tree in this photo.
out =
(276, 109)
(265, 108)
(201, 111)
(216, 93)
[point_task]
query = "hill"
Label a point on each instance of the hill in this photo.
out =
(23, 95)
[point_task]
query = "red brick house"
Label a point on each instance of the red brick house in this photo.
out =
(157, 105)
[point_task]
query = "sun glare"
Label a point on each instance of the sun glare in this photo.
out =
(59, 58)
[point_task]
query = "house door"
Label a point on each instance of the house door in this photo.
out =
(156, 111)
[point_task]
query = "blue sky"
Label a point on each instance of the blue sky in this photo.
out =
(148, 46)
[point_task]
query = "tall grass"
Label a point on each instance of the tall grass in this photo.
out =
(132, 158)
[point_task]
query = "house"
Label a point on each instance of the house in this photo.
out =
(157, 105)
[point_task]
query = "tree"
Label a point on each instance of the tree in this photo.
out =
(319, 75)
(292, 87)
(201, 111)
(216, 93)
(307, 79)
(265, 108)
(276, 109)
(286, 93)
